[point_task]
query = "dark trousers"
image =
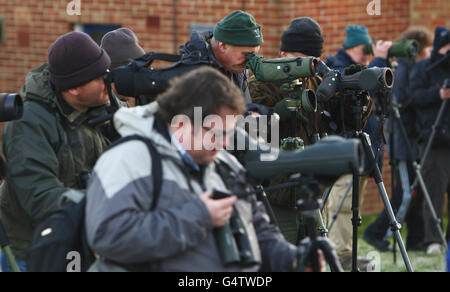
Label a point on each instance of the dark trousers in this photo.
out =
(414, 217)
(436, 174)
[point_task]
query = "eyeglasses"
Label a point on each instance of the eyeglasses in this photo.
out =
(220, 133)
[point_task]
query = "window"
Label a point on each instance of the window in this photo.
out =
(96, 31)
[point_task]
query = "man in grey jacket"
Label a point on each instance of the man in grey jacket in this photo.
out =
(178, 235)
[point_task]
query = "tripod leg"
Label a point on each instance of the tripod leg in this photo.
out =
(262, 197)
(325, 197)
(341, 205)
(321, 226)
(395, 226)
(329, 254)
(426, 195)
(356, 221)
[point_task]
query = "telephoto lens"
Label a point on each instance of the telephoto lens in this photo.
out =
(405, 48)
(11, 107)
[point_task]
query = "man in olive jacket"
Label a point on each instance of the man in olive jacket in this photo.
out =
(52, 149)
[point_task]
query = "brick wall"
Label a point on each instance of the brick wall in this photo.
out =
(32, 26)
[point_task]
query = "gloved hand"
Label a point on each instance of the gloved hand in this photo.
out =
(327, 89)
(303, 255)
(258, 108)
(355, 68)
(255, 111)
(281, 109)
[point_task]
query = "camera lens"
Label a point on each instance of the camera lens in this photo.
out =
(11, 107)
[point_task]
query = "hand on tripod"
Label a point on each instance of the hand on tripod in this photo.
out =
(305, 263)
(314, 251)
(444, 93)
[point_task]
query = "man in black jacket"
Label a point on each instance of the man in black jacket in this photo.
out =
(427, 95)
(407, 206)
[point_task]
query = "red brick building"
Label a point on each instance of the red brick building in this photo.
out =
(28, 27)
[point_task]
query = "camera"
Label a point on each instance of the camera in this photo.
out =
(11, 107)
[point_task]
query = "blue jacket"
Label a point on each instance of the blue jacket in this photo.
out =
(342, 60)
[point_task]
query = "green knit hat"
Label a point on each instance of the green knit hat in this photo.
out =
(239, 29)
(356, 35)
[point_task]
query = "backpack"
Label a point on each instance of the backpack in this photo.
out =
(60, 242)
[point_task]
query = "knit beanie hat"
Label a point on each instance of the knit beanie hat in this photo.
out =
(441, 37)
(356, 35)
(122, 46)
(75, 59)
(239, 29)
(304, 36)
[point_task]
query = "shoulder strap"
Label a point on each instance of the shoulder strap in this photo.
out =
(156, 163)
(147, 59)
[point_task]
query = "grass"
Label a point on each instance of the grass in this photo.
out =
(420, 262)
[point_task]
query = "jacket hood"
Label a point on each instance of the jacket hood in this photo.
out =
(37, 85)
(39, 88)
(140, 121)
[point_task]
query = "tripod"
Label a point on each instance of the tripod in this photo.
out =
(308, 207)
(417, 167)
(376, 174)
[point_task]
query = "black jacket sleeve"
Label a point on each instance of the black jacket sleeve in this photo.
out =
(423, 92)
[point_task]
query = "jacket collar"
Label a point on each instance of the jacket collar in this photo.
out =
(345, 58)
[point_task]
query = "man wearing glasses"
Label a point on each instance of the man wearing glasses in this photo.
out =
(180, 233)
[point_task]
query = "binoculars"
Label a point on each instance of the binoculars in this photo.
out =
(405, 48)
(233, 243)
(11, 107)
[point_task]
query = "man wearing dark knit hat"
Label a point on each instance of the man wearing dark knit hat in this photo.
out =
(122, 46)
(302, 38)
(52, 149)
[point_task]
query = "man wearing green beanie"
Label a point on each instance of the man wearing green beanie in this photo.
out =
(352, 53)
(225, 48)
